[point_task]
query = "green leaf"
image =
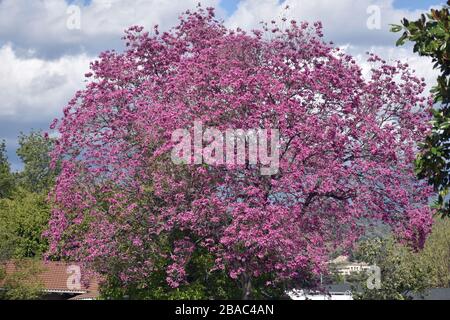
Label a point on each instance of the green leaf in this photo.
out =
(402, 39)
(396, 28)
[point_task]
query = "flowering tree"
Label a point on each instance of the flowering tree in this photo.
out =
(346, 150)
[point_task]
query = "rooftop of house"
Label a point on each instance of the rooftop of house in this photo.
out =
(62, 278)
(434, 294)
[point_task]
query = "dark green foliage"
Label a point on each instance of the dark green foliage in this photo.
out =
(23, 283)
(401, 274)
(34, 151)
(22, 222)
(431, 37)
(405, 272)
(203, 284)
(6, 177)
(24, 215)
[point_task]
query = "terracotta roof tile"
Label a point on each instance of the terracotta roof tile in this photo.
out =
(63, 277)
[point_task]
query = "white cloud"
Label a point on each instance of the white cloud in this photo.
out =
(114, 16)
(421, 65)
(345, 23)
(43, 61)
(343, 20)
(32, 88)
(42, 25)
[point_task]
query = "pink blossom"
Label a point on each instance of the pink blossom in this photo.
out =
(348, 145)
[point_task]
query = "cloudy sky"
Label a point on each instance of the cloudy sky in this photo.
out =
(45, 49)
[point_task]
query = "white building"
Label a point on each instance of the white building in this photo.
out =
(332, 292)
(345, 267)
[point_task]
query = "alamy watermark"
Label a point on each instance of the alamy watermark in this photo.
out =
(74, 279)
(374, 279)
(232, 147)
(374, 20)
(74, 17)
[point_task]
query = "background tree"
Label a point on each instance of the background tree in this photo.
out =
(347, 145)
(435, 255)
(404, 272)
(6, 177)
(23, 220)
(34, 151)
(24, 216)
(431, 37)
(22, 282)
(401, 276)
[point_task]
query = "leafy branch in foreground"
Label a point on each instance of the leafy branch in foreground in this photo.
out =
(431, 37)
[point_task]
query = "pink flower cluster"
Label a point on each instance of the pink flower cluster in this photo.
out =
(346, 157)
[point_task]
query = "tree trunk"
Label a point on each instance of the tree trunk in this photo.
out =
(247, 288)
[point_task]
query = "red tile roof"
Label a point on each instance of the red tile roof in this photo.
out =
(63, 277)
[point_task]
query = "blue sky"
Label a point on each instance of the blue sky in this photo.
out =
(415, 4)
(43, 62)
(231, 5)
